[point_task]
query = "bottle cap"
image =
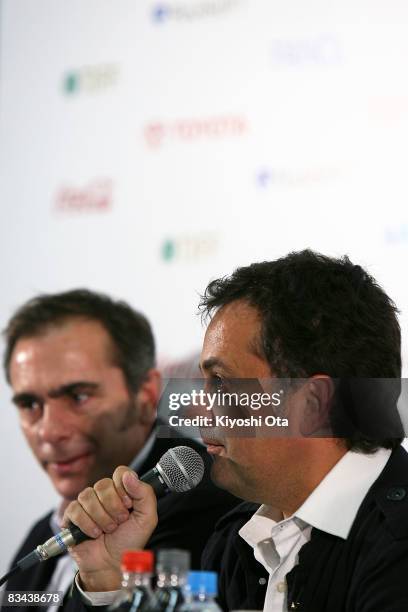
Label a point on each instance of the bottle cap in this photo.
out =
(203, 582)
(139, 561)
(173, 561)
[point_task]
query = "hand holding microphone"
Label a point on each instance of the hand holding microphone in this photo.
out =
(116, 514)
(120, 513)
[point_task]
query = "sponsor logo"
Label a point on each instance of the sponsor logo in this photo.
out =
(189, 247)
(194, 130)
(397, 235)
(190, 11)
(323, 50)
(283, 177)
(97, 197)
(90, 79)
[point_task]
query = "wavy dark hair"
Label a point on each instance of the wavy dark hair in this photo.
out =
(133, 347)
(323, 315)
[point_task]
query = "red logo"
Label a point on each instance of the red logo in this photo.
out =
(96, 197)
(194, 130)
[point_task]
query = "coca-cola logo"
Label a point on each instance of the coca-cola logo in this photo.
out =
(97, 197)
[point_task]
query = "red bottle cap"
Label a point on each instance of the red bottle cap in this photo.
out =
(140, 561)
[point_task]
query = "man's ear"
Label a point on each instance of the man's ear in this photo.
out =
(147, 397)
(319, 395)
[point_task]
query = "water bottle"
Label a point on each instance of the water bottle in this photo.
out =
(202, 591)
(136, 592)
(171, 571)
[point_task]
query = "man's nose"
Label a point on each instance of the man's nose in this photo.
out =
(56, 422)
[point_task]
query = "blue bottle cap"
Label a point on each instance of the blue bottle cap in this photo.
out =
(203, 582)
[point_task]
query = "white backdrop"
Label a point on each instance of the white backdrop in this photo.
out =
(149, 146)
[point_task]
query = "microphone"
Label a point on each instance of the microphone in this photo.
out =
(180, 469)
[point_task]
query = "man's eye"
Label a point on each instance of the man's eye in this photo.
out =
(80, 398)
(216, 383)
(29, 405)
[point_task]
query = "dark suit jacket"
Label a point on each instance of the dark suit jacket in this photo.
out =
(368, 572)
(186, 520)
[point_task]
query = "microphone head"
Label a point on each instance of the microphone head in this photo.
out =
(181, 468)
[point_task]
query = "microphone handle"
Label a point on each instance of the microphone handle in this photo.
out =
(155, 479)
(78, 535)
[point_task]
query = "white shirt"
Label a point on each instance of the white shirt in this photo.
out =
(331, 507)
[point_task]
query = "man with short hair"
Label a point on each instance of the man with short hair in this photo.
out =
(331, 533)
(85, 384)
(325, 524)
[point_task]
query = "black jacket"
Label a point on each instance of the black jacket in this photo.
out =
(186, 520)
(368, 572)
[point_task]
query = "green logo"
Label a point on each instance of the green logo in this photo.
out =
(189, 247)
(90, 79)
(168, 250)
(71, 82)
